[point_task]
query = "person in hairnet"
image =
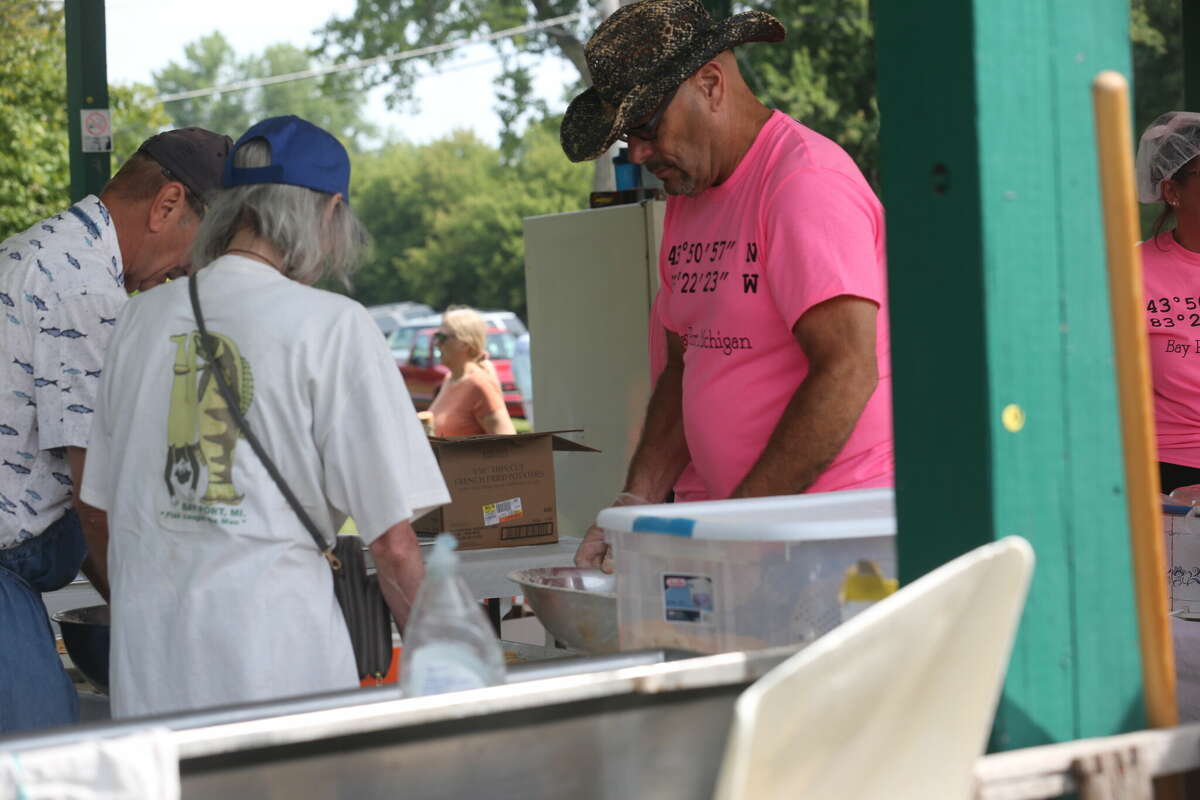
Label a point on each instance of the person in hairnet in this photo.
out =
(1168, 160)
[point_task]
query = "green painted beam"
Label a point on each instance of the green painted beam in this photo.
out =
(1191, 53)
(1005, 401)
(87, 88)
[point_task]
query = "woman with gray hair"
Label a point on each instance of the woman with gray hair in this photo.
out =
(1168, 161)
(218, 592)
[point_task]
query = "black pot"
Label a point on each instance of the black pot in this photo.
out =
(85, 632)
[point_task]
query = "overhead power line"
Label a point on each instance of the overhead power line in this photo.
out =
(420, 52)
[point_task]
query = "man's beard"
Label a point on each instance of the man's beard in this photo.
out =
(679, 183)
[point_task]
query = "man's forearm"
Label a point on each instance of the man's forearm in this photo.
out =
(95, 534)
(399, 568)
(93, 522)
(813, 429)
(662, 450)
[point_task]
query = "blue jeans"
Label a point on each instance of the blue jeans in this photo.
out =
(35, 691)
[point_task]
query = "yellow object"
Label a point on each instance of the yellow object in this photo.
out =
(864, 583)
(1013, 417)
(1110, 94)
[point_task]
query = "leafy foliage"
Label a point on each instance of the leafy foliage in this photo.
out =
(34, 174)
(34, 169)
(823, 74)
(1157, 60)
(334, 101)
(447, 217)
(386, 27)
(135, 118)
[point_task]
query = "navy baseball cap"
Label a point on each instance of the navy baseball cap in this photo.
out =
(301, 155)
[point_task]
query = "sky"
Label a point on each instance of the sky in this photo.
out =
(143, 36)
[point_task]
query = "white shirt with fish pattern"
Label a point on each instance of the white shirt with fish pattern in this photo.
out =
(62, 285)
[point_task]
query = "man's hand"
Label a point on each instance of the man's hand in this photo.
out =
(594, 552)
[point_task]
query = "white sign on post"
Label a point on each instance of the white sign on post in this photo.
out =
(95, 130)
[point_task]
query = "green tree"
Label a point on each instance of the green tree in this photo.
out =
(334, 101)
(823, 73)
(1157, 73)
(34, 177)
(208, 61)
(1157, 59)
(447, 217)
(135, 118)
(387, 27)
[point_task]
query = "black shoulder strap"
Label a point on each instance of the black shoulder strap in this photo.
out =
(235, 410)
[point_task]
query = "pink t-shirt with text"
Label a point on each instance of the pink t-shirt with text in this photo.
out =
(1171, 275)
(689, 487)
(796, 224)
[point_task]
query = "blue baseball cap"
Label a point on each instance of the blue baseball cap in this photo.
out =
(301, 155)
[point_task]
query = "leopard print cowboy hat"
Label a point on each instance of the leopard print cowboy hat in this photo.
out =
(639, 55)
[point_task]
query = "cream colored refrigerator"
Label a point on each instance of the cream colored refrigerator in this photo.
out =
(590, 277)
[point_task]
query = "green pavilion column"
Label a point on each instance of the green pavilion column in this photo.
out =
(1005, 403)
(88, 123)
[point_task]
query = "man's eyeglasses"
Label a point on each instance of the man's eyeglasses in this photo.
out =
(647, 130)
(197, 205)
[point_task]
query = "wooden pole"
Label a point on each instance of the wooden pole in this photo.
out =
(1110, 94)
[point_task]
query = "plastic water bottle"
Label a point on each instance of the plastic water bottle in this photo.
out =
(449, 645)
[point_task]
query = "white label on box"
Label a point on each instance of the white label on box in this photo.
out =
(504, 511)
(688, 598)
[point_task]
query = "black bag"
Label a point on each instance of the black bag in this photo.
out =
(363, 607)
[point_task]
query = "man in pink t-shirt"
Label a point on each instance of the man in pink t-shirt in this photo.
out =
(772, 268)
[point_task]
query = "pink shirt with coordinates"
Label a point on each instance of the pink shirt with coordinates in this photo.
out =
(1171, 274)
(796, 224)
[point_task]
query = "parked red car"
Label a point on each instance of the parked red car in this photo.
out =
(423, 370)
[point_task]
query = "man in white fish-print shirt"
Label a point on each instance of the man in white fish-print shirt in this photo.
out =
(62, 285)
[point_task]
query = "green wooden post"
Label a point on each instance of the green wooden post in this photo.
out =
(1005, 403)
(1191, 54)
(87, 89)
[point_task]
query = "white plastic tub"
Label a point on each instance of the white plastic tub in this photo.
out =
(743, 574)
(1181, 529)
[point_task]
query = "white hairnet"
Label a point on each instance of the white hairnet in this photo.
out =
(1171, 141)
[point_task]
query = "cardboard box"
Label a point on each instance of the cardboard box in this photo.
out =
(501, 489)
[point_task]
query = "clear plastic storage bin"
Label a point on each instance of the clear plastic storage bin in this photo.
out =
(743, 574)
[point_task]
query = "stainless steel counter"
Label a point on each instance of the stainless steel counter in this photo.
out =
(625, 726)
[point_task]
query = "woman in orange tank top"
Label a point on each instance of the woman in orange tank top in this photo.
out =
(470, 401)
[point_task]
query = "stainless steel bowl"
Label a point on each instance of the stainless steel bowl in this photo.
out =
(85, 632)
(577, 606)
